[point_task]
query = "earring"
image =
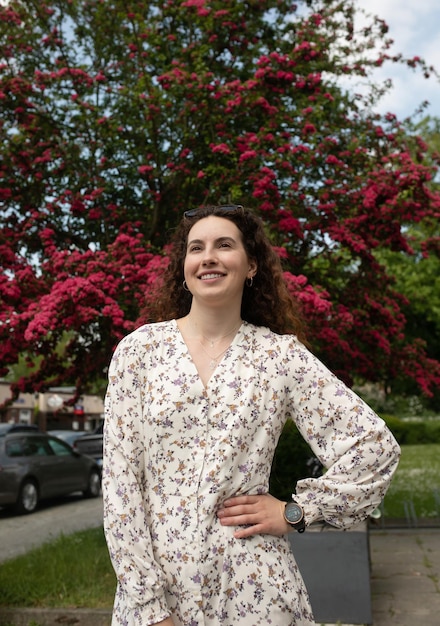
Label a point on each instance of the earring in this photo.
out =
(249, 281)
(185, 286)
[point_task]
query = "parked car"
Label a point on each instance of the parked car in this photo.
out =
(70, 436)
(35, 466)
(92, 444)
(9, 428)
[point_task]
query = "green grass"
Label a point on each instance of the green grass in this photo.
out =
(416, 480)
(75, 570)
(71, 571)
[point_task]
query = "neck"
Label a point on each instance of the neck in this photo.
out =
(212, 326)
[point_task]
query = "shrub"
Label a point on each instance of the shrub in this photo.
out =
(413, 432)
(291, 462)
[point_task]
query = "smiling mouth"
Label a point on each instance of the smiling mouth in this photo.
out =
(209, 276)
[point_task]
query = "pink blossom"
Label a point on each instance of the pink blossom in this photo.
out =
(144, 169)
(281, 252)
(248, 154)
(5, 193)
(331, 159)
(221, 147)
(309, 128)
(47, 233)
(291, 225)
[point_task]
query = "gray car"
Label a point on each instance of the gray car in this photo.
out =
(35, 466)
(69, 436)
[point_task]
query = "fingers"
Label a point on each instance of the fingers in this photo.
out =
(237, 500)
(248, 522)
(254, 515)
(242, 510)
(248, 531)
(240, 514)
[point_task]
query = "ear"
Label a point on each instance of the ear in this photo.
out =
(252, 268)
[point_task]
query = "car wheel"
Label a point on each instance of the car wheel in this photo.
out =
(27, 500)
(94, 485)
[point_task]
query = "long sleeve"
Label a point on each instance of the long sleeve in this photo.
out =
(355, 446)
(140, 597)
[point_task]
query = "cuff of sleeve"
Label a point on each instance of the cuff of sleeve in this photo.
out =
(155, 611)
(312, 512)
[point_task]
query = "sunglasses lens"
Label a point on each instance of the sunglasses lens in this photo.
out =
(224, 208)
(191, 213)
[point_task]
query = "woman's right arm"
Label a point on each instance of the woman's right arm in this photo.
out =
(140, 596)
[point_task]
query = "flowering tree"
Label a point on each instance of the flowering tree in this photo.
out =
(116, 116)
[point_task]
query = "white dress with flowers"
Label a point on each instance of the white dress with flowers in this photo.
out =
(175, 450)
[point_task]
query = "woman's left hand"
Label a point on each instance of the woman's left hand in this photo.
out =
(262, 514)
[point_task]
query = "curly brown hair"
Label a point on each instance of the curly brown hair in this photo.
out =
(267, 302)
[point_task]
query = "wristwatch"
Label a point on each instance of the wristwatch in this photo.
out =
(294, 516)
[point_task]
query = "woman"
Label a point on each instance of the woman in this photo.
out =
(194, 409)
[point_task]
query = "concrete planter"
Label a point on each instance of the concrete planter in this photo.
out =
(335, 565)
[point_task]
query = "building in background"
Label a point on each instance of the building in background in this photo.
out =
(49, 410)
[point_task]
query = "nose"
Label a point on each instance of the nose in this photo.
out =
(209, 256)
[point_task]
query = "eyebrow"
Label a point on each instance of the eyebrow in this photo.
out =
(218, 240)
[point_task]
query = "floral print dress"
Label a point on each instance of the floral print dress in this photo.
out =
(174, 450)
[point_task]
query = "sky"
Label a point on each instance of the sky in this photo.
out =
(414, 25)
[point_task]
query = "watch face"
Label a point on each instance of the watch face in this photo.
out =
(293, 512)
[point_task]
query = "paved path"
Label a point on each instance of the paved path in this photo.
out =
(20, 533)
(405, 577)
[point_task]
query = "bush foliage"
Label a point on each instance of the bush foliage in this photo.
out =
(413, 432)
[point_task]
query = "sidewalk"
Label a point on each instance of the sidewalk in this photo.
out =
(405, 577)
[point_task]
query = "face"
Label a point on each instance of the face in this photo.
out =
(216, 264)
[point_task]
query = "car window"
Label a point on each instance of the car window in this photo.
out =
(15, 448)
(36, 446)
(59, 447)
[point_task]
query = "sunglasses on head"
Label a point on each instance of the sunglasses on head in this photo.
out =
(223, 208)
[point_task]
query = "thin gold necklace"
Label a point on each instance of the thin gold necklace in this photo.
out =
(212, 342)
(214, 359)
